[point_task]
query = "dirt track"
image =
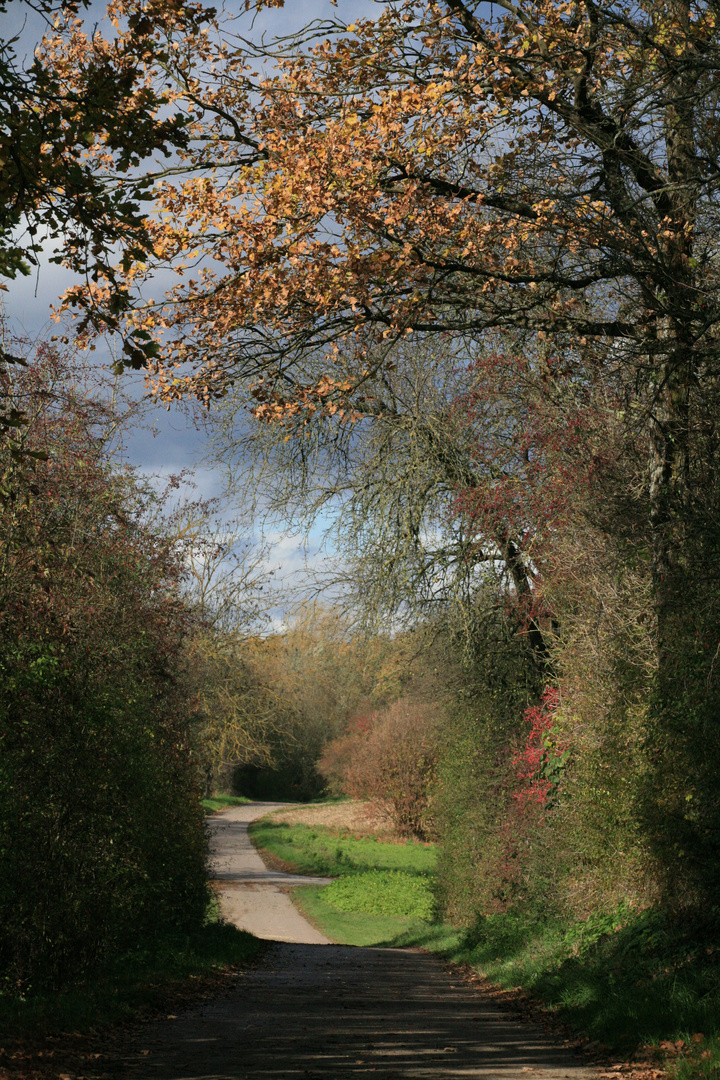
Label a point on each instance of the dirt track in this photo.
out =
(332, 1012)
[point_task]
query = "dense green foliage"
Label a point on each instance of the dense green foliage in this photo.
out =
(95, 709)
(473, 790)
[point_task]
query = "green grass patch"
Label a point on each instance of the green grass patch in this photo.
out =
(143, 978)
(352, 927)
(382, 890)
(626, 978)
(698, 1060)
(320, 851)
(219, 802)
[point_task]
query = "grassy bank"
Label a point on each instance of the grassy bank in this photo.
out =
(220, 802)
(627, 980)
(626, 977)
(383, 890)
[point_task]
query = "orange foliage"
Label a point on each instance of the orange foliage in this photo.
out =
(390, 757)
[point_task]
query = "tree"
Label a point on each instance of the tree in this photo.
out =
(390, 757)
(228, 581)
(400, 491)
(82, 101)
(86, 101)
(552, 174)
(382, 487)
(96, 704)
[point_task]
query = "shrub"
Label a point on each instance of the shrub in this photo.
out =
(391, 757)
(101, 832)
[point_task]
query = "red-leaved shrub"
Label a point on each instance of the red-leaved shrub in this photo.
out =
(390, 757)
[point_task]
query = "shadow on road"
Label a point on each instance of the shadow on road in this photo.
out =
(333, 1012)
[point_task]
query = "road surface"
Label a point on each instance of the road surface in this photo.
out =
(315, 1011)
(251, 896)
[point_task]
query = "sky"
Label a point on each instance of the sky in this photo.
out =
(168, 442)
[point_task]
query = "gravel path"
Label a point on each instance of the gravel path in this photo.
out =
(315, 1011)
(335, 1012)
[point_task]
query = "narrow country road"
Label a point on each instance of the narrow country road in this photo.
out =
(314, 1011)
(250, 895)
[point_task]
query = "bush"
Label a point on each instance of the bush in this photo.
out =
(483, 855)
(101, 832)
(390, 756)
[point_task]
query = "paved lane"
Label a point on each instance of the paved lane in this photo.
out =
(252, 896)
(333, 1012)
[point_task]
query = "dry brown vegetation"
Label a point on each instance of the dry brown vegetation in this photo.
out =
(362, 818)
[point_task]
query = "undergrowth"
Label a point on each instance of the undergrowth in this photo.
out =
(627, 977)
(140, 979)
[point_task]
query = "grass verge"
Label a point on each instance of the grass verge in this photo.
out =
(326, 853)
(148, 978)
(350, 927)
(631, 982)
(219, 802)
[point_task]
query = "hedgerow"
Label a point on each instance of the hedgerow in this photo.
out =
(102, 841)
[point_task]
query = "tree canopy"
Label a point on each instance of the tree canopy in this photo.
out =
(76, 122)
(550, 174)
